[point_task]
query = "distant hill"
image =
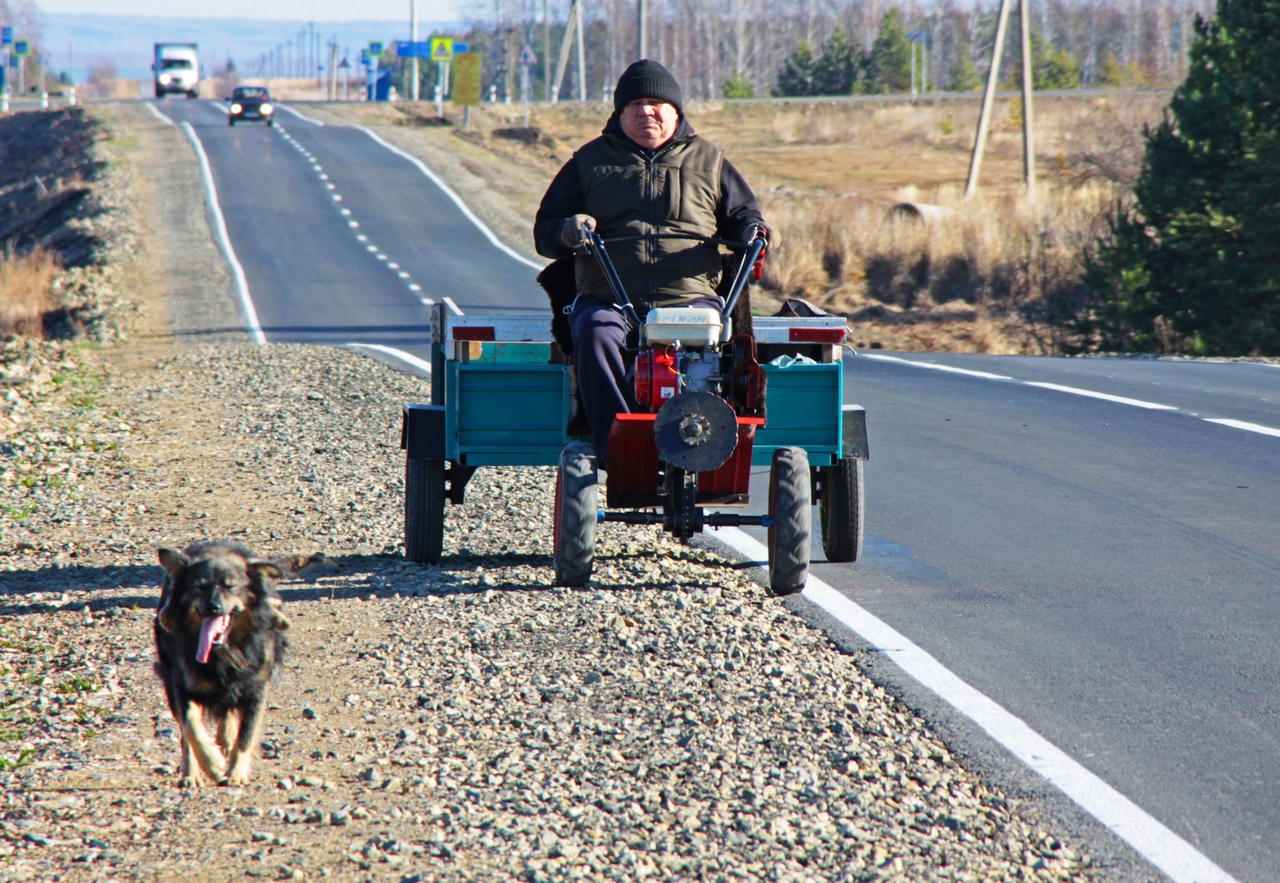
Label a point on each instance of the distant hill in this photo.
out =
(79, 41)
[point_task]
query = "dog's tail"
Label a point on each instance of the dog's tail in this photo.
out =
(291, 564)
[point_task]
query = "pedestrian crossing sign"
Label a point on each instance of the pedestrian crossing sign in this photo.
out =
(442, 49)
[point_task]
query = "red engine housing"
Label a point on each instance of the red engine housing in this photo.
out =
(657, 378)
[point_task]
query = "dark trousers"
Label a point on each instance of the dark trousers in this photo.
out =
(603, 364)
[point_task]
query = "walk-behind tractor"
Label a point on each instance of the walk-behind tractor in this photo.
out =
(712, 404)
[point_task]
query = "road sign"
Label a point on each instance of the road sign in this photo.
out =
(459, 48)
(918, 36)
(442, 48)
(527, 56)
(6, 36)
(413, 49)
(466, 79)
(375, 47)
(21, 48)
(344, 64)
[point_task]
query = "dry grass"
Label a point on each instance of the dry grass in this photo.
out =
(25, 292)
(995, 260)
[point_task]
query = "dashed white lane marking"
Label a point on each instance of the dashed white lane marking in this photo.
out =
(157, 114)
(1156, 843)
(224, 241)
(1137, 403)
(1247, 427)
(337, 197)
(462, 206)
(301, 116)
(407, 358)
(1075, 390)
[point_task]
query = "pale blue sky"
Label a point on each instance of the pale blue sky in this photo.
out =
(295, 10)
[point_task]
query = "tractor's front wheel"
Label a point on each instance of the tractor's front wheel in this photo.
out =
(790, 504)
(576, 510)
(423, 510)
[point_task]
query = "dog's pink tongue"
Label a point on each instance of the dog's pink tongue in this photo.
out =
(212, 631)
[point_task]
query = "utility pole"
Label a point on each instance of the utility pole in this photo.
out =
(642, 8)
(413, 35)
(988, 96)
(1028, 142)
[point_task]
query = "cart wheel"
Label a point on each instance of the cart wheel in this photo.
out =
(423, 510)
(842, 510)
(792, 511)
(576, 507)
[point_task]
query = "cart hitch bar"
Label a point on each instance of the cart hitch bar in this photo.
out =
(714, 519)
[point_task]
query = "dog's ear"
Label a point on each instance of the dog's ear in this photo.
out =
(261, 568)
(172, 561)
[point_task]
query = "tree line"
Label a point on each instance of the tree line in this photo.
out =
(760, 48)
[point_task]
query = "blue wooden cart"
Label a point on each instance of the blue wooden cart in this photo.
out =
(718, 404)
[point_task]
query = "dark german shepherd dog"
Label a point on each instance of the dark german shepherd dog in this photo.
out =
(219, 640)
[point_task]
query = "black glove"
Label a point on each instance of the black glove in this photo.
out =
(571, 230)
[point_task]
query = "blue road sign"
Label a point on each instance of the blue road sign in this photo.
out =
(413, 48)
(459, 48)
(6, 36)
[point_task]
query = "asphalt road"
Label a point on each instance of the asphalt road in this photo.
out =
(1108, 572)
(1105, 570)
(343, 241)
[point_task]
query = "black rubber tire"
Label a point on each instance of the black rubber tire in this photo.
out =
(231, 121)
(271, 122)
(423, 510)
(576, 509)
(842, 510)
(790, 504)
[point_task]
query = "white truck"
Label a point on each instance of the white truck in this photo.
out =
(177, 69)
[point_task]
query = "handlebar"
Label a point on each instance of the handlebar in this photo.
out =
(594, 244)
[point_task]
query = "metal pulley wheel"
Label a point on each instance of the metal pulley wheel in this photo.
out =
(696, 431)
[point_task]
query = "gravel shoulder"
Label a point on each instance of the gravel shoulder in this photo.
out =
(458, 722)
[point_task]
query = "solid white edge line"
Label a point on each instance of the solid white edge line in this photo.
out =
(1137, 403)
(222, 107)
(1156, 843)
(407, 358)
(933, 366)
(1240, 424)
(158, 115)
(462, 206)
(301, 116)
(224, 241)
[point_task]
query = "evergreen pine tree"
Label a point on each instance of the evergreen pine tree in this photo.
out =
(797, 74)
(964, 76)
(835, 72)
(1193, 267)
(888, 66)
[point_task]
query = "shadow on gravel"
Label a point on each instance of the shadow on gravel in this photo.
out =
(119, 580)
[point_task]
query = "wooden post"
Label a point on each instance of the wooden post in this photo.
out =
(988, 96)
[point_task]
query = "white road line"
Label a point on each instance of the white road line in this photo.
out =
(462, 206)
(301, 116)
(224, 241)
(407, 358)
(222, 107)
(158, 115)
(934, 367)
(1156, 843)
(1074, 390)
(1240, 424)
(1137, 403)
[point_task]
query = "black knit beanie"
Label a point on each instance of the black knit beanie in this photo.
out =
(647, 79)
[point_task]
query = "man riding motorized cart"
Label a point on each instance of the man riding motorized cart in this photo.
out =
(670, 367)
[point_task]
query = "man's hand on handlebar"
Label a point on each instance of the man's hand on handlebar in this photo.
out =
(574, 231)
(760, 231)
